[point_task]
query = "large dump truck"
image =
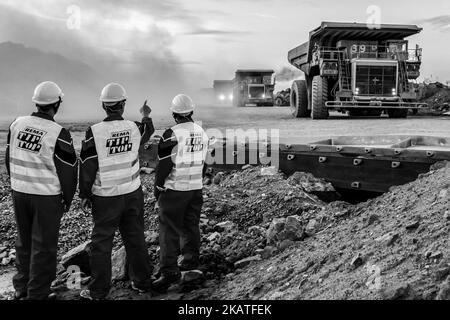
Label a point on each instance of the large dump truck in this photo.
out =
(253, 87)
(351, 67)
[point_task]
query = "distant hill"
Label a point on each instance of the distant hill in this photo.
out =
(22, 68)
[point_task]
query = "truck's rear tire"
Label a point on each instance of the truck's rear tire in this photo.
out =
(319, 96)
(299, 99)
(398, 113)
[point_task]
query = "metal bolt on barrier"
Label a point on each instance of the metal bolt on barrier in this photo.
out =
(395, 164)
(356, 185)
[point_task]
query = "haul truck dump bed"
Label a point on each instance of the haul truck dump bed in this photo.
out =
(352, 67)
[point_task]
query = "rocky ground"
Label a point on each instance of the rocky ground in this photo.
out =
(265, 236)
(437, 96)
(396, 246)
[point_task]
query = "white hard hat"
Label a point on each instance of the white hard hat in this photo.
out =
(182, 104)
(46, 93)
(113, 92)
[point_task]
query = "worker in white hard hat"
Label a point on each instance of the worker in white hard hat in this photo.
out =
(178, 189)
(110, 185)
(43, 166)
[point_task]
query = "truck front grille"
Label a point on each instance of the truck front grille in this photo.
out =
(376, 80)
(256, 92)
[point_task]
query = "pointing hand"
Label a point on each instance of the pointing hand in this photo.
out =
(145, 110)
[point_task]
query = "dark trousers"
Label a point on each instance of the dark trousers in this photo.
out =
(179, 231)
(126, 213)
(38, 219)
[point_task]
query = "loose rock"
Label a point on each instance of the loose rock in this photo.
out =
(192, 276)
(245, 262)
(78, 256)
(119, 265)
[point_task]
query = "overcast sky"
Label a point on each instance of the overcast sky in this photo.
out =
(206, 39)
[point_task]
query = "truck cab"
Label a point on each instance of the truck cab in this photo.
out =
(352, 67)
(253, 87)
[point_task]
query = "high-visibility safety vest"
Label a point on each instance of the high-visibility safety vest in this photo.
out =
(117, 144)
(188, 157)
(31, 151)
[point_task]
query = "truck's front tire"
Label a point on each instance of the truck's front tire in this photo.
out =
(319, 96)
(299, 99)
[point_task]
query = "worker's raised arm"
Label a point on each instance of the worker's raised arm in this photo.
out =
(146, 125)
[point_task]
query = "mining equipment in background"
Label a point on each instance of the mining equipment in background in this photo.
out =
(253, 88)
(357, 68)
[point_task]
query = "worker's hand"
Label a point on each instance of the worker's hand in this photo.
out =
(86, 205)
(66, 207)
(157, 192)
(145, 110)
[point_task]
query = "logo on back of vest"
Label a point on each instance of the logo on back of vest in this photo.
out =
(195, 142)
(119, 143)
(30, 139)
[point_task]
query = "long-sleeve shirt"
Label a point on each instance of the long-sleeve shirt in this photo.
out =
(89, 156)
(65, 159)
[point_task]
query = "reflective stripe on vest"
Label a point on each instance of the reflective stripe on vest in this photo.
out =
(189, 158)
(117, 144)
(31, 152)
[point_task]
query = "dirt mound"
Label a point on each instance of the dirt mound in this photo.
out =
(252, 197)
(396, 246)
(437, 95)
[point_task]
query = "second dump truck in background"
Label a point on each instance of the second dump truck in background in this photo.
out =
(253, 87)
(354, 67)
(223, 91)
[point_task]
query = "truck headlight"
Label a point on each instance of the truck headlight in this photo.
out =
(221, 97)
(263, 96)
(357, 91)
(394, 91)
(230, 97)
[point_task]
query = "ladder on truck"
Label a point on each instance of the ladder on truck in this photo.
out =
(345, 79)
(403, 73)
